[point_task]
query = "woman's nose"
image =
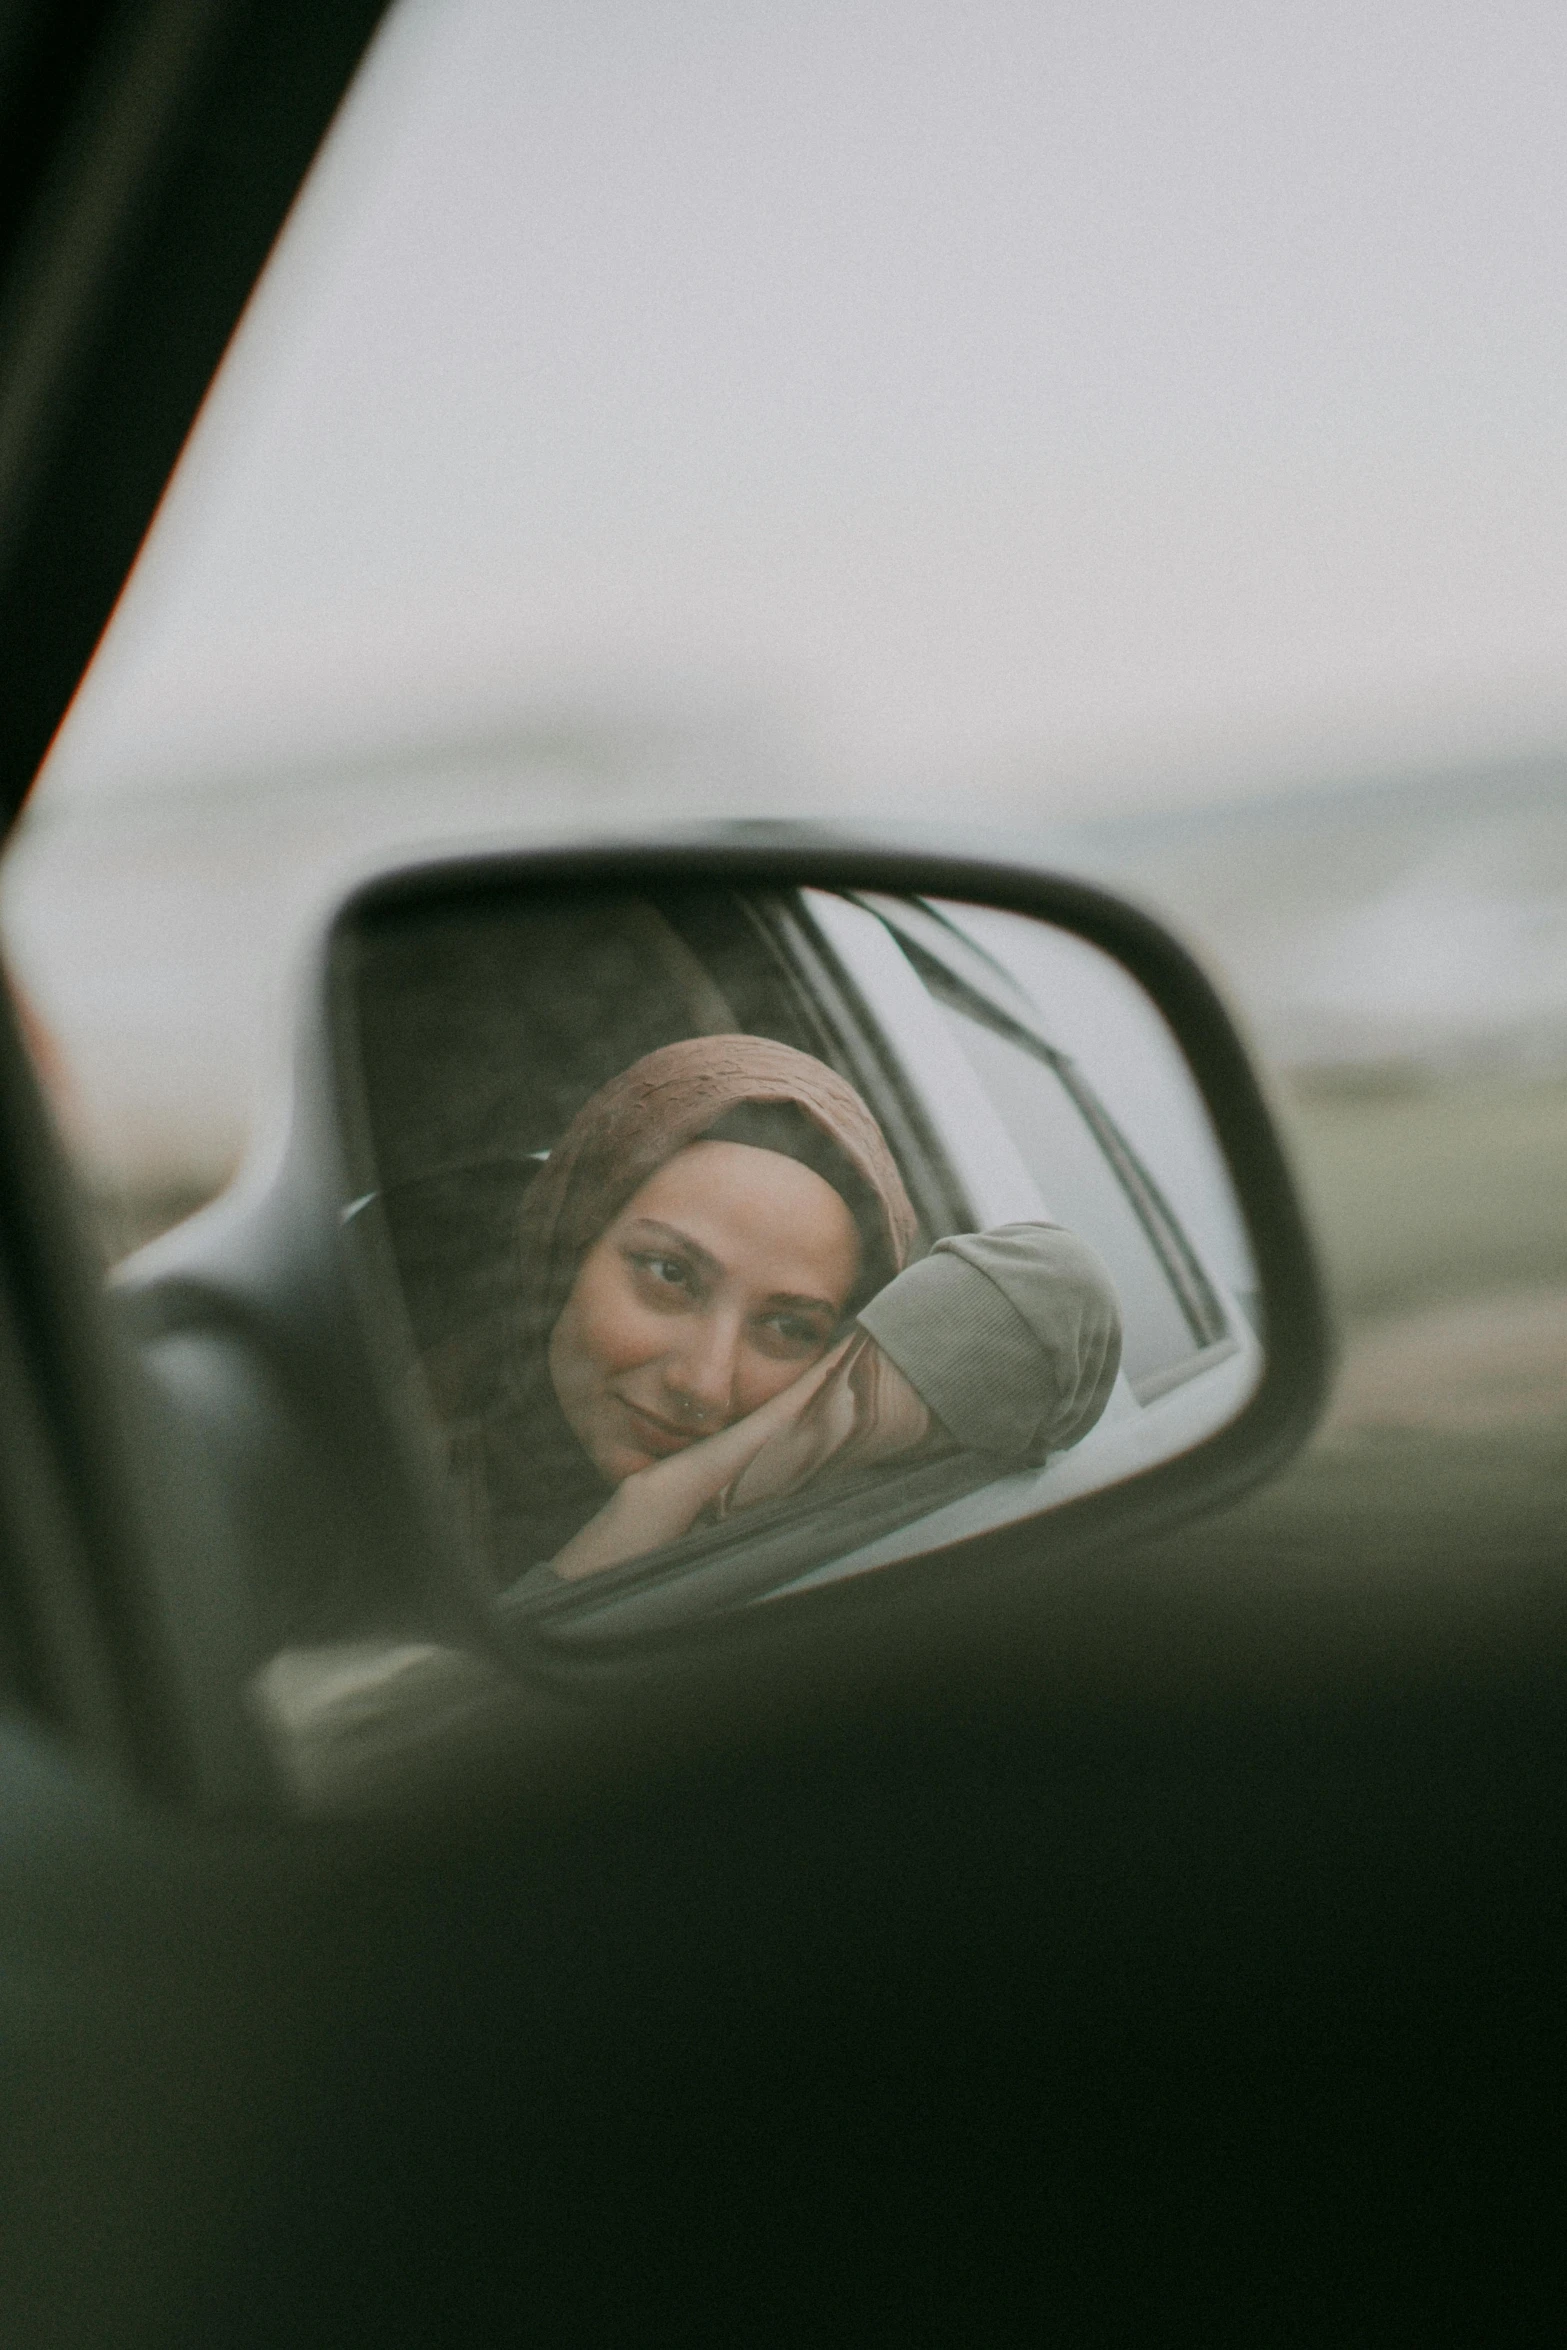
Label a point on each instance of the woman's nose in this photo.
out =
(700, 1377)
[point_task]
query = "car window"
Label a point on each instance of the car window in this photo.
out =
(1083, 1193)
(1091, 1178)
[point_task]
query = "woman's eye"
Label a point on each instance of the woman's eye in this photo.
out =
(664, 1272)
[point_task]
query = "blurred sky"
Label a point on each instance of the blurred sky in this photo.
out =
(1089, 403)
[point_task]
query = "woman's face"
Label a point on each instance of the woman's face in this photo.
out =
(718, 1283)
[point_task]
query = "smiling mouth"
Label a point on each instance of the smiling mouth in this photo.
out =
(659, 1436)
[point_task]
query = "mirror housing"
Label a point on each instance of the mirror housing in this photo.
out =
(286, 1291)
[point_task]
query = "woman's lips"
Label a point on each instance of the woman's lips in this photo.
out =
(655, 1435)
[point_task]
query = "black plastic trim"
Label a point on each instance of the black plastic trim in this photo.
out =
(179, 131)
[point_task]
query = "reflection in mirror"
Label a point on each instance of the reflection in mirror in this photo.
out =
(747, 1240)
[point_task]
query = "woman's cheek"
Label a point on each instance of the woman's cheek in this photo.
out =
(596, 1336)
(622, 1330)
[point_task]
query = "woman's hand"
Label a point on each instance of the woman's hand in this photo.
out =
(657, 1504)
(864, 1413)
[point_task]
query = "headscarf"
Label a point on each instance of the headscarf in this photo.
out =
(530, 1485)
(668, 1099)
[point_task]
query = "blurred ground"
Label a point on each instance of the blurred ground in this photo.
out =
(1428, 1189)
(1442, 1217)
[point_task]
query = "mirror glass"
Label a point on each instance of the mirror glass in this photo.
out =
(744, 1240)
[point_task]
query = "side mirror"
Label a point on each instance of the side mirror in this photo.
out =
(664, 1231)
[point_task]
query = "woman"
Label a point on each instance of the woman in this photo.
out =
(693, 1256)
(621, 1345)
